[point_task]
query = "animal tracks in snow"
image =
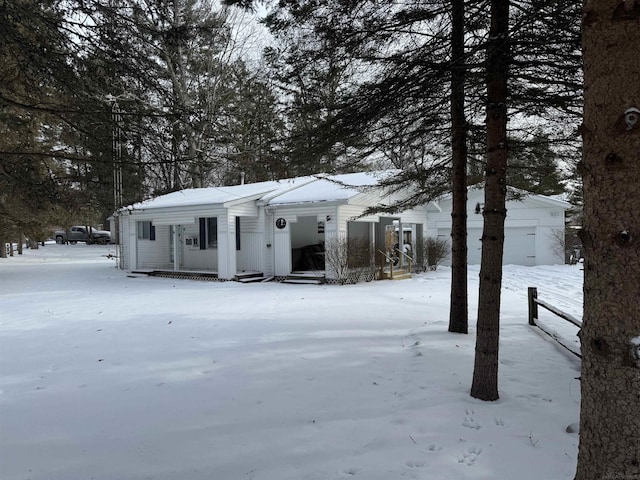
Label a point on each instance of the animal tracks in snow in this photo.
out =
(434, 448)
(470, 421)
(416, 463)
(350, 472)
(470, 456)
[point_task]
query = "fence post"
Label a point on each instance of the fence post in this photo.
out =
(533, 306)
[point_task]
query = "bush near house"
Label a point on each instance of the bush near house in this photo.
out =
(431, 252)
(349, 260)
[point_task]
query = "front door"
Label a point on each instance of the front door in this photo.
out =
(307, 244)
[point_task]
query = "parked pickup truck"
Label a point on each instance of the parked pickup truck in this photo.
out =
(82, 233)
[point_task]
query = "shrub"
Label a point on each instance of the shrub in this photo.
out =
(349, 260)
(432, 252)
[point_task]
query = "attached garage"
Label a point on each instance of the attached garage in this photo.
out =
(474, 245)
(530, 228)
(520, 246)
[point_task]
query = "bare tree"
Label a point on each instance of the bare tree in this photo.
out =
(558, 242)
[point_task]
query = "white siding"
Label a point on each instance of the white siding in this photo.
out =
(251, 256)
(417, 215)
(154, 253)
(282, 251)
(352, 213)
(245, 210)
(173, 219)
(528, 229)
(196, 259)
(192, 257)
(227, 247)
(251, 225)
(519, 245)
(281, 248)
(269, 260)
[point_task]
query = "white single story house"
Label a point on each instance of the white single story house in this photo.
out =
(277, 229)
(272, 229)
(533, 225)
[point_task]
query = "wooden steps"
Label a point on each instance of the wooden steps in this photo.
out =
(310, 278)
(398, 274)
(251, 277)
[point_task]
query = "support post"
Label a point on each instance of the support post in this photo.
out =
(533, 305)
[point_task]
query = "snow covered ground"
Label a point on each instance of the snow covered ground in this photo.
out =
(108, 377)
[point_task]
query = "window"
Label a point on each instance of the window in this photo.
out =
(212, 232)
(208, 233)
(146, 231)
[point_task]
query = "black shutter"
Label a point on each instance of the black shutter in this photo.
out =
(237, 233)
(203, 233)
(152, 231)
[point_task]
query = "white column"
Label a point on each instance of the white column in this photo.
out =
(176, 246)
(282, 248)
(403, 260)
(133, 243)
(226, 247)
(372, 242)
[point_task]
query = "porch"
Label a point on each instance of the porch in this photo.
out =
(202, 275)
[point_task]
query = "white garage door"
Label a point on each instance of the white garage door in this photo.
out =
(519, 245)
(474, 245)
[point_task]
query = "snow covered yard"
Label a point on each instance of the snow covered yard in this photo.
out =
(108, 377)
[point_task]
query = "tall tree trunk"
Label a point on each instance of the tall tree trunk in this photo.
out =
(610, 336)
(459, 310)
(485, 372)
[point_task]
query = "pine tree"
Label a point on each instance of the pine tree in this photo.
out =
(459, 311)
(610, 337)
(534, 167)
(396, 101)
(37, 93)
(485, 371)
(311, 75)
(252, 128)
(176, 73)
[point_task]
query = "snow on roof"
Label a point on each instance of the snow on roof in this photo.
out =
(294, 190)
(330, 188)
(218, 195)
(555, 200)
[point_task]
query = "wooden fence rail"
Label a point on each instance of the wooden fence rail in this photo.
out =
(534, 302)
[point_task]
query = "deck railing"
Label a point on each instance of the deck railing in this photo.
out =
(409, 258)
(534, 302)
(389, 260)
